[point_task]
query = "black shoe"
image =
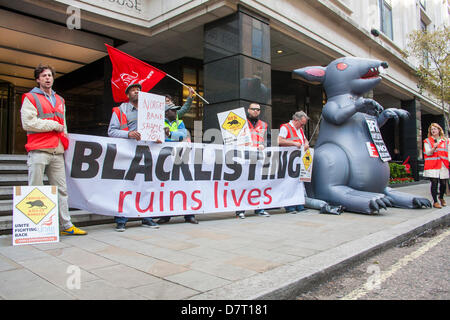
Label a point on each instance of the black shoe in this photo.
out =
(150, 224)
(163, 220)
(191, 220)
(120, 227)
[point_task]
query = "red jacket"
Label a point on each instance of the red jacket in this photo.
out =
(439, 157)
(292, 133)
(122, 118)
(257, 132)
(45, 110)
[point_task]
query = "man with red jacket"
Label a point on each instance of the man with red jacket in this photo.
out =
(43, 117)
(260, 135)
(123, 124)
(292, 135)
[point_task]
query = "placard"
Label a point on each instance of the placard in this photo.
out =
(35, 215)
(306, 165)
(377, 138)
(234, 127)
(151, 116)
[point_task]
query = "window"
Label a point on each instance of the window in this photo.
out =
(423, 27)
(386, 18)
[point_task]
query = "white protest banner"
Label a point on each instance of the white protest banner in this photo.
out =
(151, 116)
(35, 215)
(234, 127)
(125, 177)
(307, 164)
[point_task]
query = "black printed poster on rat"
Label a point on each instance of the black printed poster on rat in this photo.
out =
(35, 215)
(234, 127)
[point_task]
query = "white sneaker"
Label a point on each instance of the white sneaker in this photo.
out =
(241, 215)
(263, 214)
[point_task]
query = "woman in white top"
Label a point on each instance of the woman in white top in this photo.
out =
(436, 151)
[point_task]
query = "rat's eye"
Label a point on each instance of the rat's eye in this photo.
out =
(341, 66)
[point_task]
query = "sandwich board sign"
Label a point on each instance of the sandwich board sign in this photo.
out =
(234, 127)
(35, 215)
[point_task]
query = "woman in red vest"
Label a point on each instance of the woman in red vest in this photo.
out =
(436, 150)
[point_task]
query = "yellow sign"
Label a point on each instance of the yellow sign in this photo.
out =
(35, 206)
(307, 159)
(233, 123)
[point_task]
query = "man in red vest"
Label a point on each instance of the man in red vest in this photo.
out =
(260, 138)
(291, 134)
(123, 124)
(43, 117)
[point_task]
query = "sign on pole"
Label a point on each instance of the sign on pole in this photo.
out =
(234, 127)
(151, 116)
(35, 215)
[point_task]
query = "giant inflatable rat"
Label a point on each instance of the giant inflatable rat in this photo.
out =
(345, 172)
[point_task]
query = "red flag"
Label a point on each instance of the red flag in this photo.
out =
(128, 70)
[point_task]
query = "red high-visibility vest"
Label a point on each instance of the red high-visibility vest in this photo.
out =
(45, 111)
(123, 122)
(257, 132)
(439, 157)
(292, 133)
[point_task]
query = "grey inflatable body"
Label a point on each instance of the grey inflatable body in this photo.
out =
(344, 173)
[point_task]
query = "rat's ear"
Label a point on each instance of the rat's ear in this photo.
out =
(312, 74)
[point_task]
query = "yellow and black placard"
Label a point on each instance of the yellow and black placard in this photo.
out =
(233, 123)
(35, 206)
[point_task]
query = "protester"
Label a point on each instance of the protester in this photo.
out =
(43, 117)
(291, 134)
(123, 124)
(436, 151)
(260, 137)
(176, 131)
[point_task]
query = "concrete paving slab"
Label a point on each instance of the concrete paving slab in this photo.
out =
(164, 290)
(197, 280)
(25, 285)
(124, 277)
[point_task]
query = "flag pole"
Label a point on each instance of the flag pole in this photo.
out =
(186, 87)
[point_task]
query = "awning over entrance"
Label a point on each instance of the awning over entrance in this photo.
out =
(32, 41)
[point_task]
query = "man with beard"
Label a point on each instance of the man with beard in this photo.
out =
(260, 135)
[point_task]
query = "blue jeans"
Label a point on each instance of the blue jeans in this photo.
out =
(299, 207)
(125, 219)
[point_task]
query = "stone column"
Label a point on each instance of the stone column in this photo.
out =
(237, 67)
(411, 136)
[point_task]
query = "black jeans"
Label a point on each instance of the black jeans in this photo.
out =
(434, 188)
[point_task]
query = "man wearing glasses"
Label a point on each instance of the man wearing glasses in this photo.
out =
(260, 137)
(291, 134)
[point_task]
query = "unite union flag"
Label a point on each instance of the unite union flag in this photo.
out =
(129, 70)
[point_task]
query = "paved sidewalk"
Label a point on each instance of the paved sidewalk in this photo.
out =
(220, 258)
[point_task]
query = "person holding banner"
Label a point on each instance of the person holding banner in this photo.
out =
(176, 131)
(436, 151)
(123, 124)
(291, 134)
(43, 117)
(260, 139)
